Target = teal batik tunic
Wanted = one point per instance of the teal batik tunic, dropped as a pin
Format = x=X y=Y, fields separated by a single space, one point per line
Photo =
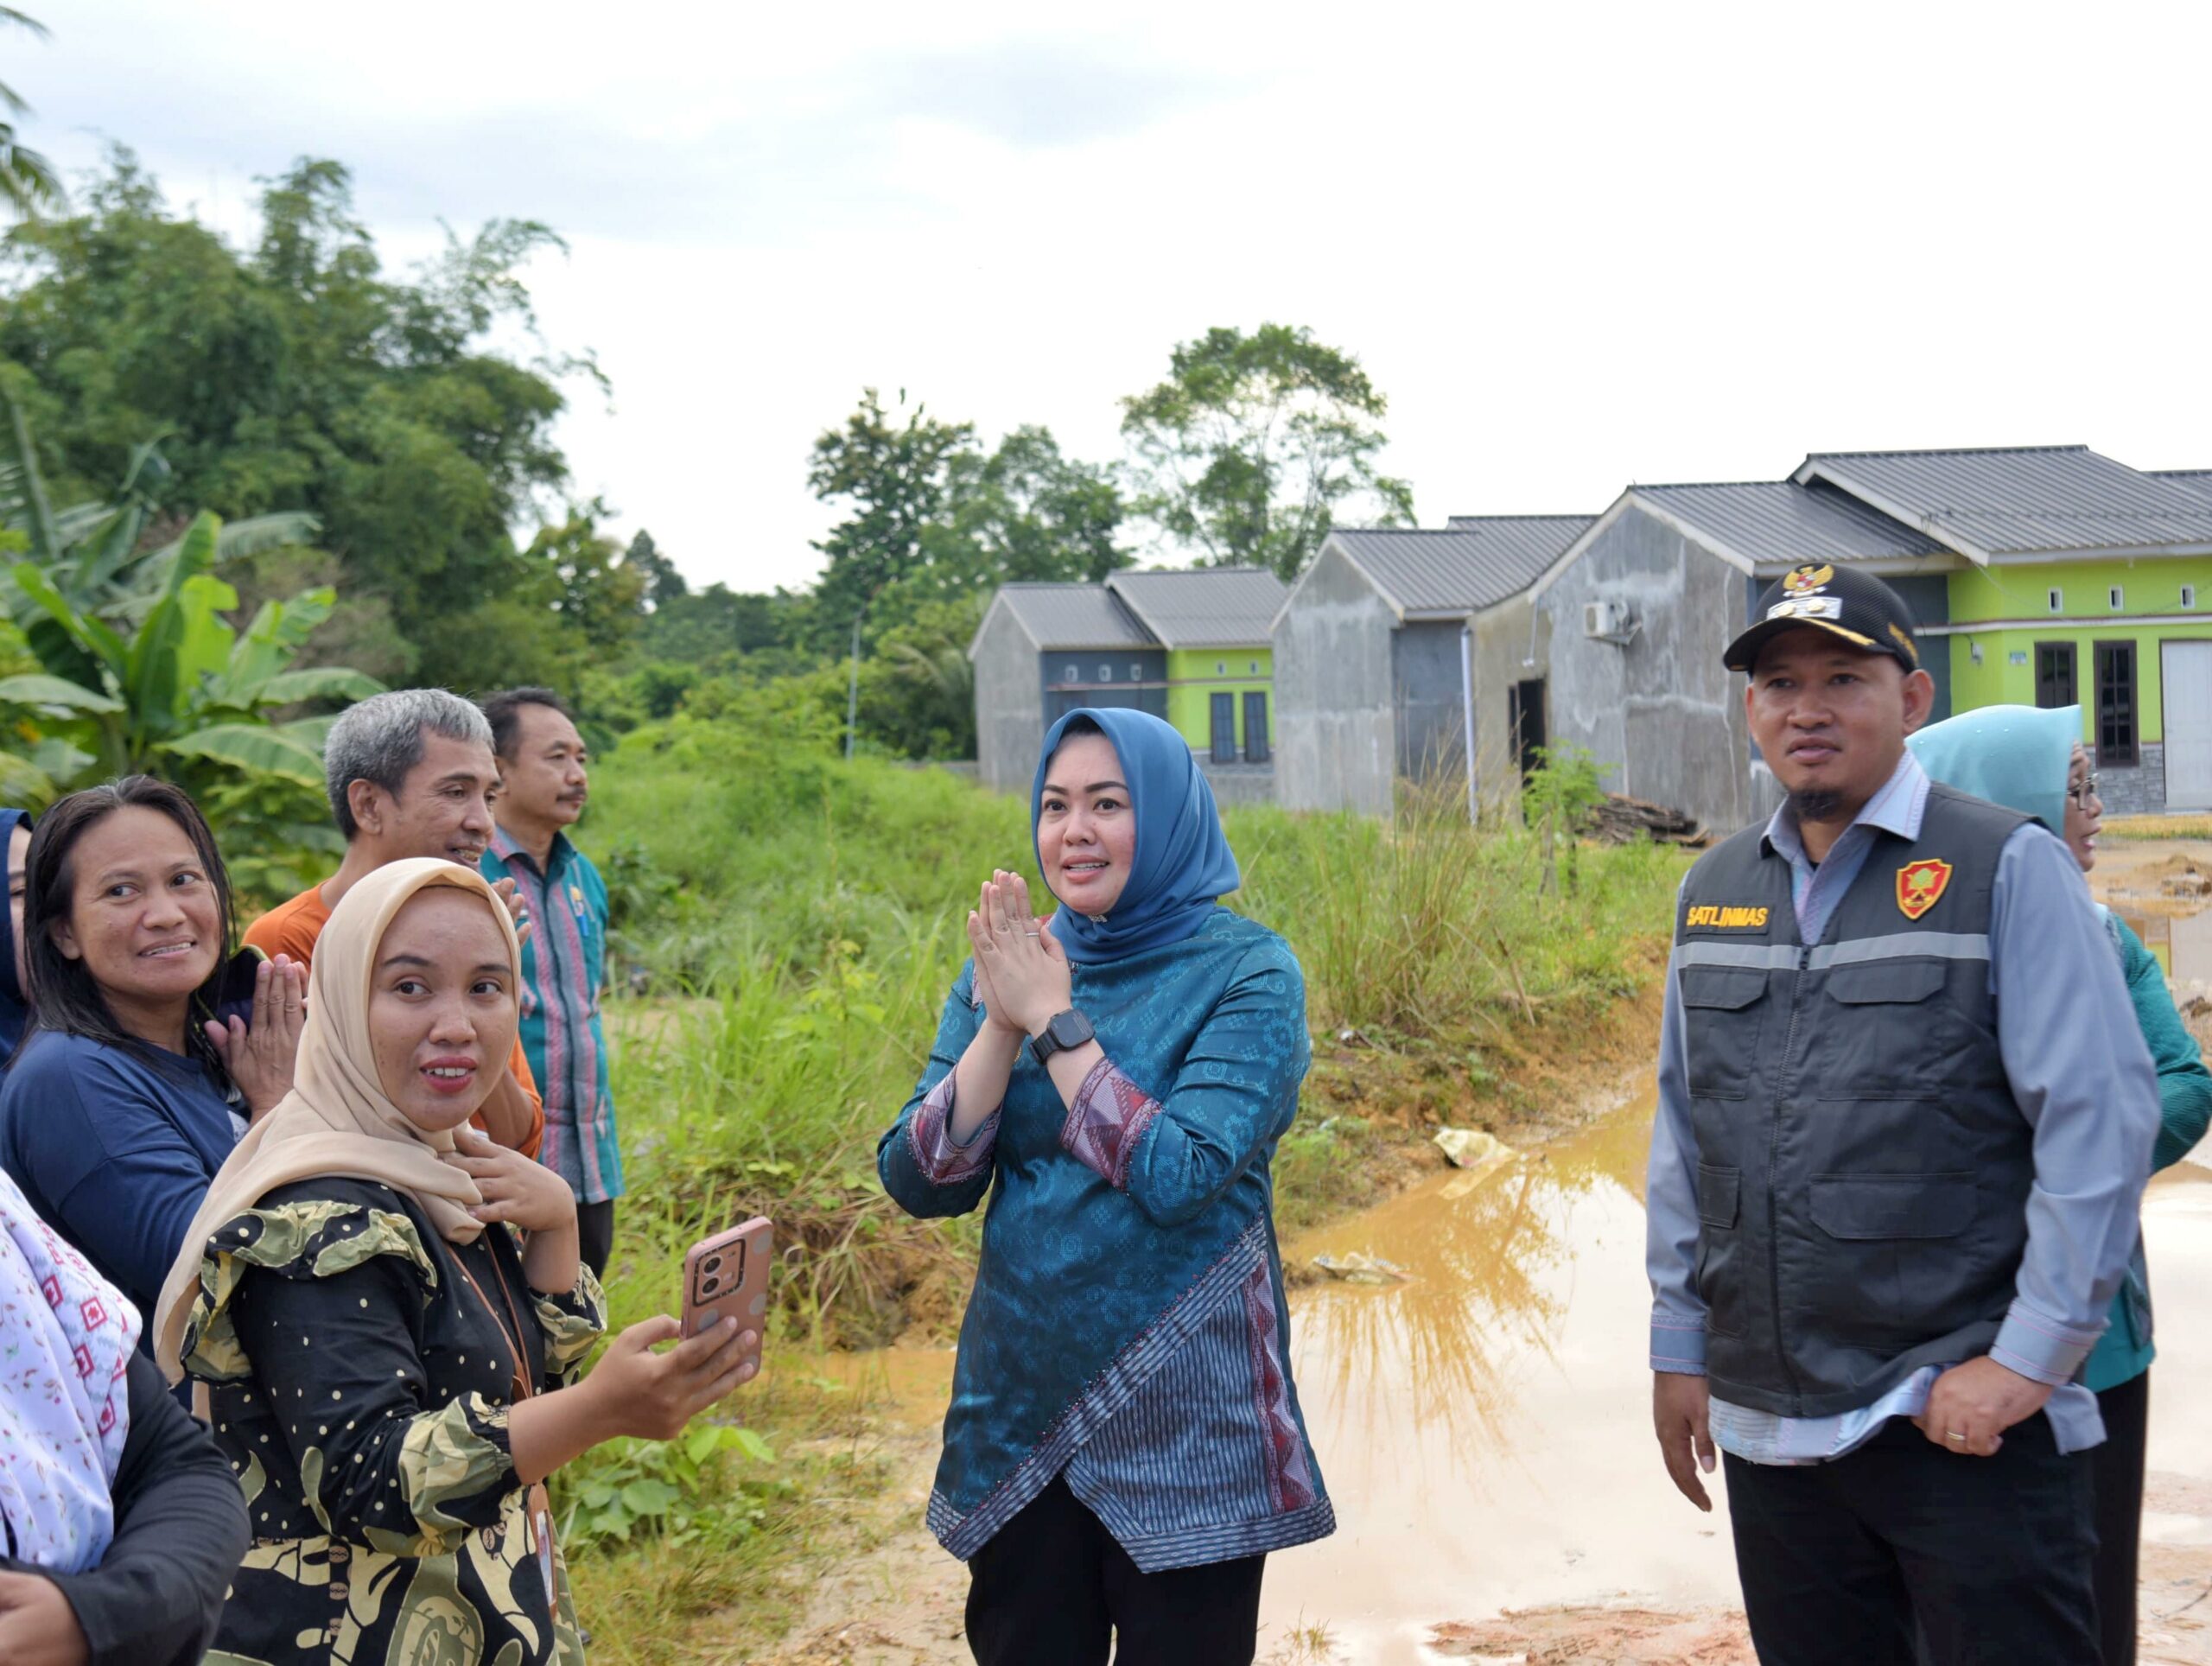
x=1128 y=1326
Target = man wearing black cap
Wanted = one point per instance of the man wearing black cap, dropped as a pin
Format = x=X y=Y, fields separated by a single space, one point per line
x=1903 y=1126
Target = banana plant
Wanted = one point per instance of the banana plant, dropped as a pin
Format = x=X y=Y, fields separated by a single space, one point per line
x=181 y=695
x=90 y=552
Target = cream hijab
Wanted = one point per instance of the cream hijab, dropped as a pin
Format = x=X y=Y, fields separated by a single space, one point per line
x=336 y=1120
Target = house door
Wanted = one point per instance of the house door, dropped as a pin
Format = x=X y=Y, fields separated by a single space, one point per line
x=1524 y=719
x=1223 y=728
x=2188 y=675
x=1256 y=729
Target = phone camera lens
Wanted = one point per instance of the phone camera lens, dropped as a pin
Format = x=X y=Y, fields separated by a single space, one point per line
x=712 y=1264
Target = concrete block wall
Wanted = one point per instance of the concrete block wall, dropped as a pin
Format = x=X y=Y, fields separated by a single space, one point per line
x=2137 y=792
x=1238 y=784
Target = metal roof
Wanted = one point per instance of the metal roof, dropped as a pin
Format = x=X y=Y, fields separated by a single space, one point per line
x=1781 y=524
x=1073 y=616
x=2024 y=500
x=1475 y=563
x=2198 y=481
x=1202 y=606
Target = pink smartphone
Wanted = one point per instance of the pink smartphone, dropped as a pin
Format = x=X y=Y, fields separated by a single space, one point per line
x=728 y=1275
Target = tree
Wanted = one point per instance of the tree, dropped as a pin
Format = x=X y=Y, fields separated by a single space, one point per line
x=298 y=375
x=600 y=596
x=1031 y=513
x=1253 y=443
x=663 y=583
x=897 y=476
x=28 y=181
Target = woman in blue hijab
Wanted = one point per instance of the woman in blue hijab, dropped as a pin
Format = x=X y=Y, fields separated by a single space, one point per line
x=1124 y=1444
x=14 y=1009
x=2033 y=761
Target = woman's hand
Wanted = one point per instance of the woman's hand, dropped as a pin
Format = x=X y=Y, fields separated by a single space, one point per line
x=37 y=1625
x=1027 y=966
x=639 y=1392
x=995 y=1014
x=260 y=1054
x=518 y=1189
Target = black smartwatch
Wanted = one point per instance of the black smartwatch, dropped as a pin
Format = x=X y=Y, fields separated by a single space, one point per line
x=1066 y=1030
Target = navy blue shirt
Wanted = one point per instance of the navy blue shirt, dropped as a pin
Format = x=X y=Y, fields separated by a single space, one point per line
x=115 y=1150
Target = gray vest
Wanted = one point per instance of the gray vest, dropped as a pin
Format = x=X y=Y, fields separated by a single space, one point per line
x=1862 y=1169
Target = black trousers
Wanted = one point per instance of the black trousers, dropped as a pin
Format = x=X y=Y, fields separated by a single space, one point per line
x=2116 y=1478
x=596 y=1234
x=1990 y=1555
x=1052 y=1587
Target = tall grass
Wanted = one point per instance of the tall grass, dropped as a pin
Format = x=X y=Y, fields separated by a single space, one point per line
x=796 y=921
x=800 y=920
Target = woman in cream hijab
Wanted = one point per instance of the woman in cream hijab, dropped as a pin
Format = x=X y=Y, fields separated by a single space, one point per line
x=393 y=1371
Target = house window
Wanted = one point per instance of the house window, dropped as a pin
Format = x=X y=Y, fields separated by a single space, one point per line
x=1221 y=668
x=2113 y=598
x=2187 y=597
x=1105 y=673
x=1136 y=673
x=1255 y=668
x=2054 y=678
x=2057 y=601
x=1069 y=674
x=2115 y=664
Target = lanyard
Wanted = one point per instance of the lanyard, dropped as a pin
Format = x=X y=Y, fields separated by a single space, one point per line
x=537 y=1504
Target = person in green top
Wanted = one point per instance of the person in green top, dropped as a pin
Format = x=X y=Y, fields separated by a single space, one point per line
x=2020 y=756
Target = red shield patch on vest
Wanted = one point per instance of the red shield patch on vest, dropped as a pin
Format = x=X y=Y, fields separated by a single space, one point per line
x=1920 y=884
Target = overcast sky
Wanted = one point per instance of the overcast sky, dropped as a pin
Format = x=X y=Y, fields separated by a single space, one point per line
x=1576 y=246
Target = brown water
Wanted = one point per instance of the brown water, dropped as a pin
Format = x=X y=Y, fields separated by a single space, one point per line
x=1485 y=1429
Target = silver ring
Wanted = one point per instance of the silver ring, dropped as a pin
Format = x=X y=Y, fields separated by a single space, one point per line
x=1953 y=1434
x=1029 y=934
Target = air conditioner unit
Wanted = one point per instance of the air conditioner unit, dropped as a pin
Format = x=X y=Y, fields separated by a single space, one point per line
x=1607 y=621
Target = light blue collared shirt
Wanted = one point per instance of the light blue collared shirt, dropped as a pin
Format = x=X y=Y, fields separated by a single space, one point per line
x=2079 y=1072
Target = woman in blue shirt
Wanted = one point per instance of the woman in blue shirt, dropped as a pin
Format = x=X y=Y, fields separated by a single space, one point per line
x=1124 y=1443
x=127 y=1094
x=2033 y=761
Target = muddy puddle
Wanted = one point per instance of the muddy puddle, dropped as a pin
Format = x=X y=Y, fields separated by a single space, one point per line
x=1484 y=1427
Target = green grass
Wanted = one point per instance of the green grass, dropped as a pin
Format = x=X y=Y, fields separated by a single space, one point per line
x=798 y=921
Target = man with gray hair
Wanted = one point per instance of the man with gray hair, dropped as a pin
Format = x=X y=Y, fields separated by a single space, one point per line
x=410 y=773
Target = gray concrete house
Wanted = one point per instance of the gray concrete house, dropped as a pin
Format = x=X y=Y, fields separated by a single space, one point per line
x=1622 y=642
x=1372 y=675
x=2019 y=564
x=1190 y=647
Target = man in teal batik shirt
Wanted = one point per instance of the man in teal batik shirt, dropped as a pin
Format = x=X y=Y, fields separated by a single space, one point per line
x=544 y=784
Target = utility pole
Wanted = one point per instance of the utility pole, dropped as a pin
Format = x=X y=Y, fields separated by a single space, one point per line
x=853 y=685
x=853 y=682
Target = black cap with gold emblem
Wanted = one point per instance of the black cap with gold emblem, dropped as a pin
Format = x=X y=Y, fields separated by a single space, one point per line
x=1856 y=607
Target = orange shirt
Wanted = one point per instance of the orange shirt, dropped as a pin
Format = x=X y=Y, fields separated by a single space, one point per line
x=291 y=928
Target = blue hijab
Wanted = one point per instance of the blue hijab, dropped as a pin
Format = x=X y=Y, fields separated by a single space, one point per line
x=14 y=1009
x=2017 y=756
x=1182 y=863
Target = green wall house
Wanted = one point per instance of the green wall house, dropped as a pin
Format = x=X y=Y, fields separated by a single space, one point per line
x=2073 y=579
x=1192 y=647
x=2129 y=640
x=2044 y=575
